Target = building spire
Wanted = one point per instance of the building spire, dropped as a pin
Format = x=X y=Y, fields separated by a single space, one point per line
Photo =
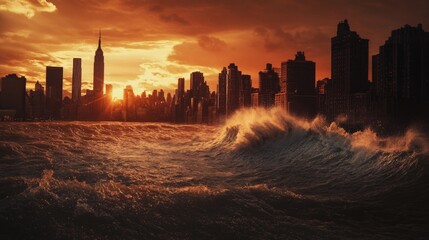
x=99 y=39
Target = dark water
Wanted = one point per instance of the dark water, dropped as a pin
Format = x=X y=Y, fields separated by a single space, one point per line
x=264 y=175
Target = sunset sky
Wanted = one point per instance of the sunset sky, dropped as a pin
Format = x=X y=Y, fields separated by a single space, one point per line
x=150 y=43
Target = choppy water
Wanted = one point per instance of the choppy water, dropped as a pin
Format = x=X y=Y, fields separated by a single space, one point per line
x=264 y=175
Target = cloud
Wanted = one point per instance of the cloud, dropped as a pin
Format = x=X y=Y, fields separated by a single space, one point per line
x=177 y=69
x=211 y=43
x=27 y=7
x=174 y=18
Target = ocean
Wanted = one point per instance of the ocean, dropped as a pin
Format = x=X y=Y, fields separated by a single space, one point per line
x=261 y=175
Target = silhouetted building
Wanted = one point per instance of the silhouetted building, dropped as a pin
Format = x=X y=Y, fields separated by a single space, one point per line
x=97 y=105
x=400 y=74
x=221 y=92
x=13 y=94
x=349 y=70
x=76 y=80
x=321 y=85
x=37 y=101
x=283 y=76
x=269 y=85
x=54 y=91
x=161 y=97
x=254 y=98
x=203 y=104
x=180 y=88
x=69 y=111
x=280 y=100
x=180 y=105
x=197 y=78
x=321 y=89
x=169 y=99
x=232 y=89
x=300 y=90
x=245 y=91
x=98 y=82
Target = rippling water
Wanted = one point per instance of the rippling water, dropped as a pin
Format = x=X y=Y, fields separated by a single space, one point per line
x=263 y=175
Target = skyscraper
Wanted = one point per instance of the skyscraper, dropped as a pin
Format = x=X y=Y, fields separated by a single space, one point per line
x=401 y=74
x=180 y=89
x=76 y=79
x=221 y=92
x=197 y=80
x=269 y=85
x=12 y=95
x=245 y=91
x=232 y=89
x=180 y=106
x=98 y=82
x=283 y=75
x=349 y=70
x=54 y=91
x=300 y=88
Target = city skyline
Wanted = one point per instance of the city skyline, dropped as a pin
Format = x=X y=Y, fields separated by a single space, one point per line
x=168 y=42
x=399 y=91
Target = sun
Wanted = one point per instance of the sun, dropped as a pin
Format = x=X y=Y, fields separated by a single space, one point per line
x=118 y=93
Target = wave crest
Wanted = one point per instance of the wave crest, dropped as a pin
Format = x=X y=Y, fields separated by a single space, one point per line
x=249 y=127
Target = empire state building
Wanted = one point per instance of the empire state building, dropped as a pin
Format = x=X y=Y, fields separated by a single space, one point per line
x=98 y=70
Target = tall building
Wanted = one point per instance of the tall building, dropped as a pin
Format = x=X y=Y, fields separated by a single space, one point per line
x=283 y=76
x=400 y=74
x=54 y=91
x=245 y=91
x=180 y=88
x=349 y=70
x=180 y=106
x=269 y=85
x=300 y=86
x=254 y=98
x=221 y=92
x=98 y=82
x=12 y=95
x=232 y=89
x=197 y=78
x=76 y=79
x=203 y=104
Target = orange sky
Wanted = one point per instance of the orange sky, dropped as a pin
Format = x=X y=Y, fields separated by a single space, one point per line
x=149 y=44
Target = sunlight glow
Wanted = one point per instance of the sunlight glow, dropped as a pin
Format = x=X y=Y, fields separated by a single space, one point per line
x=118 y=93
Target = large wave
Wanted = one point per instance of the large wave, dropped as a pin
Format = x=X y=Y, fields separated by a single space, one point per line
x=255 y=125
x=322 y=159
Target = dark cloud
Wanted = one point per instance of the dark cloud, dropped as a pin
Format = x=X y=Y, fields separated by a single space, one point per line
x=173 y=18
x=211 y=43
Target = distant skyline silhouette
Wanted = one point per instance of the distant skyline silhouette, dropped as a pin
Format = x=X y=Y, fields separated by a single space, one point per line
x=150 y=45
